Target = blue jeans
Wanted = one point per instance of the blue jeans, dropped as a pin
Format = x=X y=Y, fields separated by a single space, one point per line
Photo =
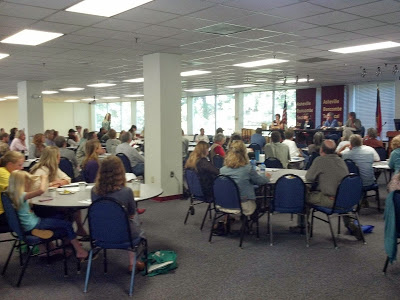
x=138 y=170
x=57 y=222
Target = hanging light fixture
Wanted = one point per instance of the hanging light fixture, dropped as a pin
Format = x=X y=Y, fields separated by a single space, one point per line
x=297 y=79
x=378 y=71
x=308 y=78
x=363 y=73
x=395 y=70
x=284 y=81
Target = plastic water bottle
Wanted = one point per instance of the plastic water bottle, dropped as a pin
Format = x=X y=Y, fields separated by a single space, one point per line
x=262 y=170
x=253 y=164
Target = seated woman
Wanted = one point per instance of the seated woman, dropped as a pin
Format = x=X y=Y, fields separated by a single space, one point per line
x=371 y=139
x=198 y=161
x=20 y=182
x=217 y=148
x=90 y=164
x=111 y=183
x=317 y=142
x=394 y=160
x=72 y=138
x=37 y=146
x=237 y=167
x=48 y=165
x=277 y=123
x=344 y=140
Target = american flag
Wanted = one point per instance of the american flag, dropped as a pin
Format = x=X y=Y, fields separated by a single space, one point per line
x=378 y=114
x=284 y=114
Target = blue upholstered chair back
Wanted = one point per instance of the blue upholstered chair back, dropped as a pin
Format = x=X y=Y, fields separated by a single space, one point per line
x=194 y=185
x=218 y=161
x=272 y=162
x=289 y=195
x=349 y=193
x=255 y=146
x=351 y=165
x=125 y=161
x=226 y=193
x=66 y=166
x=109 y=225
x=12 y=216
x=381 y=152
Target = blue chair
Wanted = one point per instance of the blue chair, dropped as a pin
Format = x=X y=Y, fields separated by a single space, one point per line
x=125 y=161
x=311 y=158
x=227 y=201
x=289 y=198
x=29 y=240
x=396 y=204
x=255 y=147
x=218 y=161
x=196 y=195
x=362 y=131
x=348 y=196
x=352 y=166
x=66 y=166
x=109 y=229
x=381 y=152
x=272 y=162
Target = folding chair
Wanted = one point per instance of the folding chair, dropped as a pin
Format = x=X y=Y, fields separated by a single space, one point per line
x=66 y=166
x=218 y=161
x=196 y=195
x=348 y=197
x=272 y=162
x=109 y=229
x=125 y=161
x=289 y=198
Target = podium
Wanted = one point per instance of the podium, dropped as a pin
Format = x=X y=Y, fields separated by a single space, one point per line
x=391 y=135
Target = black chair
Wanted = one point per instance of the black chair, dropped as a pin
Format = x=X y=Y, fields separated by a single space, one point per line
x=381 y=152
x=218 y=161
x=255 y=147
x=272 y=162
x=109 y=229
x=196 y=195
x=289 y=198
x=125 y=161
x=227 y=201
x=353 y=169
x=396 y=212
x=311 y=158
x=347 y=200
x=66 y=166
x=29 y=240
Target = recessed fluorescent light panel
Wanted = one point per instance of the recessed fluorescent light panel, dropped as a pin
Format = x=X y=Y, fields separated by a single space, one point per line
x=31 y=37
x=4 y=55
x=261 y=80
x=134 y=96
x=3 y=99
x=259 y=63
x=294 y=80
x=71 y=101
x=240 y=86
x=49 y=92
x=101 y=84
x=11 y=97
x=72 y=89
x=197 y=90
x=105 y=8
x=134 y=80
x=109 y=98
x=366 y=47
x=194 y=72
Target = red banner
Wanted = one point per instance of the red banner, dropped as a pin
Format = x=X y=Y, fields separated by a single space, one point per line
x=305 y=104
x=332 y=101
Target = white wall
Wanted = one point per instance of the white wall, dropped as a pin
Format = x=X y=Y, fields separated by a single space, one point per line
x=58 y=116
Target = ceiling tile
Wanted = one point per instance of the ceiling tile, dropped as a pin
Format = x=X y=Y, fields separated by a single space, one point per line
x=345 y=36
x=330 y=18
x=55 y=27
x=391 y=18
x=257 y=5
x=161 y=31
x=19 y=23
x=375 y=8
x=299 y=10
x=340 y=4
x=290 y=26
x=357 y=24
x=188 y=23
x=318 y=32
x=181 y=7
x=377 y=31
x=74 y=18
x=120 y=25
x=140 y=14
x=220 y=13
x=257 y=20
x=53 y=4
x=24 y=11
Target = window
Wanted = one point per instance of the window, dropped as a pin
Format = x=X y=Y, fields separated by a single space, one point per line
x=290 y=96
x=365 y=98
x=120 y=115
x=257 y=109
x=204 y=114
x=225 y=113
x=184 y=115
x=139 y=115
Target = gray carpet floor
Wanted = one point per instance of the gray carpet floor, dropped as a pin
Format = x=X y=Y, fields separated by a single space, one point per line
x=221 y=270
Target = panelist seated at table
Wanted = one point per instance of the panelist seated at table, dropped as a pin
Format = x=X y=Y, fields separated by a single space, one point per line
x=90 y=164
x=202 y=137
x=67 y=153
x=111 y=183
x=307 y=123
x=353 y=123
x=136 y=160
x=371 y=139
x=237 y=167
x=258 y=138
x=20 y=191
x=277 y=150
x=330 y=122
x=277 y=123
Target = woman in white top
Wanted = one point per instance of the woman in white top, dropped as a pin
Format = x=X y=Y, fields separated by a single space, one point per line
x=345 y=140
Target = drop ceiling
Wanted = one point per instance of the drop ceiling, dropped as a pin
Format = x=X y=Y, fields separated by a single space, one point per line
x=98 y=49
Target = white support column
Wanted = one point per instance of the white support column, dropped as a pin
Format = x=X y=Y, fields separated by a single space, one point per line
x=318 y=102
x=238 y=111
x=163 y=136
x=189 y=114
x=30 y=108
x=133 y=113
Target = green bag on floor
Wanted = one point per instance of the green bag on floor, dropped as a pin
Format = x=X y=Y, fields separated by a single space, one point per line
x=161 y=262
x=24 y=249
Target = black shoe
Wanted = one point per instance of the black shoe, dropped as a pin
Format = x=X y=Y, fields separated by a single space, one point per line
x=297 y=229
x=355 y=230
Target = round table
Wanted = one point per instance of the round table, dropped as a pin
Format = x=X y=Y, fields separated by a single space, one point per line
x=82 y=199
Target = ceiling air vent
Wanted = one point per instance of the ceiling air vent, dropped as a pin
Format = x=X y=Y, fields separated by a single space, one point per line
x=223 y=29
x=313 y=60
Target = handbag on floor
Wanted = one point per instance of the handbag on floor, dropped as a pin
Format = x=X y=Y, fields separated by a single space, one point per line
x=161 y=262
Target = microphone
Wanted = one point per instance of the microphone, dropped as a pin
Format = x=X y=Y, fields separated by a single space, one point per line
x=384 y=124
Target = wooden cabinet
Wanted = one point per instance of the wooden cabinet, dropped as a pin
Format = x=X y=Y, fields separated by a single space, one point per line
x=391 y=135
